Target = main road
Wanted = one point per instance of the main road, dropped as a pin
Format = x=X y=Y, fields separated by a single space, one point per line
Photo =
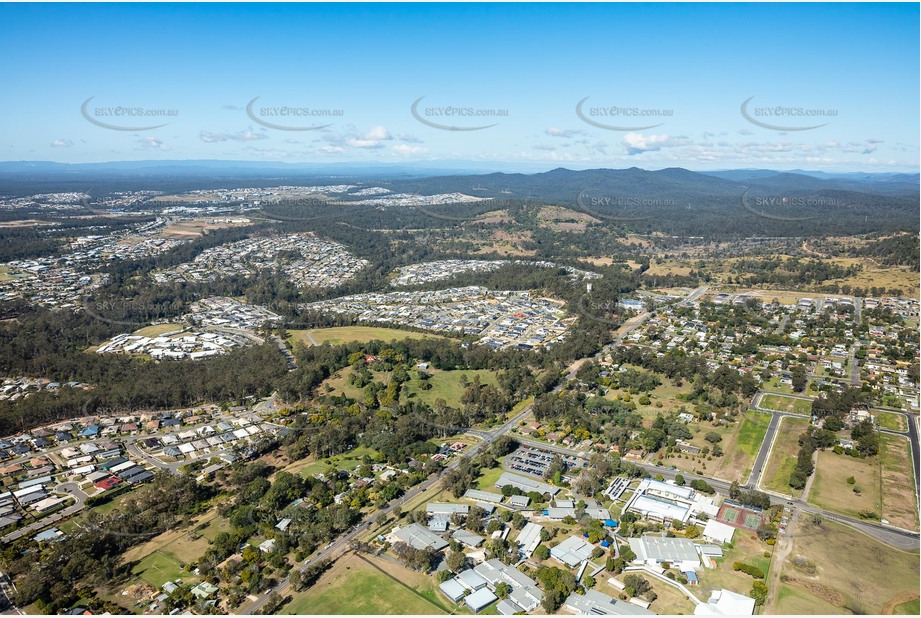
x=897 y=537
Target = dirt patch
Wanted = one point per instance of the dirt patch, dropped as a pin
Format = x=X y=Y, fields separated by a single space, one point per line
x=897 y=600
x=820 y=590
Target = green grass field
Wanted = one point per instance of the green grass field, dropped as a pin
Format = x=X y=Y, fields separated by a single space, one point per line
x=782 y=461
x=883 y=579
x=911 y=608
x=346 y=461
x=445 y=385
x=355 y=587
x=342 y=334
x=158 y=329
x=831 y=491
x=786 y=404
x=740 y=454
x=891 y=420
x=487 y=481
x=159 y=568
x=6 y=276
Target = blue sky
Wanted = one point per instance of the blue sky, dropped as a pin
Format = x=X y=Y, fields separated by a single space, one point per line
x=687 y=68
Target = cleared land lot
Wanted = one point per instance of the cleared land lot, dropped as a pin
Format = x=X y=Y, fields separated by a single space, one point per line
x=355 y=586
x=161 y=558
x=891 y=420
x=742 y=447
x=831 y=491
x=899 y=506
x=346 y=461
x=786 y=404
x=158 y=329
x=783 y=456
x=446 y=385
x=339 y=383
x=342 y=334
x=844 y=571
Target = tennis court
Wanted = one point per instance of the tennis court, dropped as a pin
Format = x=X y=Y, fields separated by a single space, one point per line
x=736 y=515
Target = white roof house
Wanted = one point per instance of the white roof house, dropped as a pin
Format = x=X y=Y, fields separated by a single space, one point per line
x=656 y=508
x=525 y=593
x=598 y=603
x=681 y=553
x=420 y=538
x=467 y=538
x=529 y=538
x=718 y=532
x=446 y=508
x=453 y=589
x=480 y=599
x=726 y=603
x=573 y=551
x=526 y=484
x=471 y=580
x=483 y=496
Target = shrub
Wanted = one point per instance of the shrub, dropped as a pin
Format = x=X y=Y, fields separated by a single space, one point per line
x=748 y=569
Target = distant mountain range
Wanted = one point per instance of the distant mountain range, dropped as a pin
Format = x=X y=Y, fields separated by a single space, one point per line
x=672 y=200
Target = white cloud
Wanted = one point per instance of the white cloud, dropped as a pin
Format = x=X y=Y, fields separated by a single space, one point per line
x=557 y=132
x=247 y=135
x=637 y=143
x=377 y=133
x=149 y=141
x=62 y=143
x=406 y=150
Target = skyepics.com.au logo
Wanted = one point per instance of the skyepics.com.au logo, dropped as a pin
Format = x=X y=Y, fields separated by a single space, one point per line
x=619 y=208
x=785 y=117
x=621 y=117
x=125 y=117
x=291 y=117
x=451 y=212
x=103 y=209
x=312 y=209
x=597 y=308
x=437 y=117
x=125 y=312
x=784 y=208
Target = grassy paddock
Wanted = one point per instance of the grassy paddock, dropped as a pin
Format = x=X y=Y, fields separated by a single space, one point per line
x=786 y=404
x=884 y=576
x=898 y=493
x=341 y=334
x=158 y=329
x=353 y=586
x=743 y=446
x=782 y=461
x=831 y=491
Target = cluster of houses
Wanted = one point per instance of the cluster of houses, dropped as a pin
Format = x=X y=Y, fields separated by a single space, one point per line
x=21 y=387
x=183 y=343
x=827 y=345
x=428 y=272
x=500 y=319
x=319 y=262
x=59 y=281
x=212 y=437
x=226 y=312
